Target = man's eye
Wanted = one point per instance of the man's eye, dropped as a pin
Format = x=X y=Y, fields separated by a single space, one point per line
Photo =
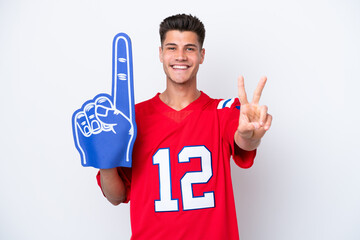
x=171 y=48
x=190 y=49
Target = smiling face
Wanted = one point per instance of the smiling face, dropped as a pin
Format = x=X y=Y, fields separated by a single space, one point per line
x=181 y=55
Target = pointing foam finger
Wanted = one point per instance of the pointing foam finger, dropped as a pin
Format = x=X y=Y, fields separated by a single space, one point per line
x=122 y=73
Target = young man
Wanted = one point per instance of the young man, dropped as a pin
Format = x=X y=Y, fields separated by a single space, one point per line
x=180 y=185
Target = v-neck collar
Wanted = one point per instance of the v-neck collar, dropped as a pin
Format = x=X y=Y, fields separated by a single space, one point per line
x=193 y=105
x=178 y=116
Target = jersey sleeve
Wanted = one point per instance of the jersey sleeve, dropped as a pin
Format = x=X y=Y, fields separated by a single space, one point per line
x=230 y=112
x=125 y=174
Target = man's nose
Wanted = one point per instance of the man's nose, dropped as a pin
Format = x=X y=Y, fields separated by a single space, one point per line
x=181 y=55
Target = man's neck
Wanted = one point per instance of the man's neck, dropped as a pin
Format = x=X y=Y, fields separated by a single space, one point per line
x=179 y=96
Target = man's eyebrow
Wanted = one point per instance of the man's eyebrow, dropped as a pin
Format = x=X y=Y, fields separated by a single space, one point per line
x=191 y=45
x=187 y=45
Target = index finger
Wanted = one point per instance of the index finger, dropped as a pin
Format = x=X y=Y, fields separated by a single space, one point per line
x=241 y=91
x=258 y=90
x=122 y=89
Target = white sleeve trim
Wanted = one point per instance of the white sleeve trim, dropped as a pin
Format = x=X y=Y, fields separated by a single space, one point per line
x=226 y=103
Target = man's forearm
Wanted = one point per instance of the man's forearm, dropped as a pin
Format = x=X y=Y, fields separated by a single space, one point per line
x=112 y=185
x=246 y=144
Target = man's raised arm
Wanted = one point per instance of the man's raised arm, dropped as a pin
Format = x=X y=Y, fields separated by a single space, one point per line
x=254 y=120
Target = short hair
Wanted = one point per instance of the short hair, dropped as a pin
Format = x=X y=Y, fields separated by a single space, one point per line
x=182 y=22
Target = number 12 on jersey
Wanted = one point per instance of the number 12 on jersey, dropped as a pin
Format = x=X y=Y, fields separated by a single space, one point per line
x=166 y=202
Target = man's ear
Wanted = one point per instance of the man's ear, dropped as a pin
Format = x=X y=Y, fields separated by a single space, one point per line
x=160 y=54
x=202 y=52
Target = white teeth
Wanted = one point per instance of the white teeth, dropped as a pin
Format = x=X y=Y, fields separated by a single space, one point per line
x=180 y=67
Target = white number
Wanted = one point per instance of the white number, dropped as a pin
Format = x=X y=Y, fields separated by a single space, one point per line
x=189 y=201
x=166 y=203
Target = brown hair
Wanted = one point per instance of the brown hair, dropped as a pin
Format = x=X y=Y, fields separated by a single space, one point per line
x=182 y=22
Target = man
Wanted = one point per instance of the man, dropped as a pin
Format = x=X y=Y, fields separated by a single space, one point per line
x=180 y=185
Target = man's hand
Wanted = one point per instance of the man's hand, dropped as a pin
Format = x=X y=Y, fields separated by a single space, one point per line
x=254 y=120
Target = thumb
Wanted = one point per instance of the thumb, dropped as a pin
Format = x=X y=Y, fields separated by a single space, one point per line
x=106 y=112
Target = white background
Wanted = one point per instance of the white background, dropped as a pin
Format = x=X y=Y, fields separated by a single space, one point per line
x=55 y=55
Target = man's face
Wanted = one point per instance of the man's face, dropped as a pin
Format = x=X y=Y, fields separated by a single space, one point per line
x=181 y=56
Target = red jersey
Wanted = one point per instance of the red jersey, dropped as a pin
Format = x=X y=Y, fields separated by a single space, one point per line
x=179 y=186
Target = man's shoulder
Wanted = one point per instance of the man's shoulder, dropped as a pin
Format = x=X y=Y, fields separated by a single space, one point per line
x=221 y=103
x=146 y=105
x=228 y=103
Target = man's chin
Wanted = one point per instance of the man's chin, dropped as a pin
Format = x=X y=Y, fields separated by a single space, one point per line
x=180 y=81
